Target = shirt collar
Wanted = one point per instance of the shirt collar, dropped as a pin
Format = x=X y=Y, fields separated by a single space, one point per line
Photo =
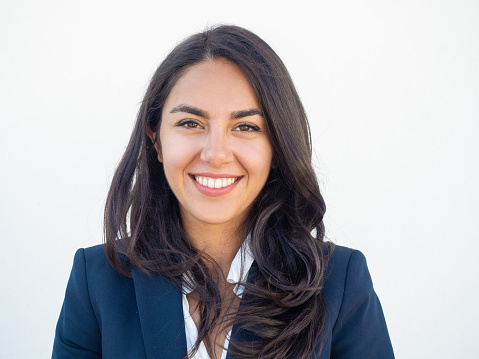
x=240 y=267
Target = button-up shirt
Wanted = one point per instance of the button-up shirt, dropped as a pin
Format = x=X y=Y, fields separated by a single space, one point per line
x=238 y=273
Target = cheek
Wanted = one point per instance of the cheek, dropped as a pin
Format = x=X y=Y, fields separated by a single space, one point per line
x=176 y=156
x=257 y=160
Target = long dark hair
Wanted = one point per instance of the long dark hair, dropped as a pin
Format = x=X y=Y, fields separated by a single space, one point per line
x=282 y=311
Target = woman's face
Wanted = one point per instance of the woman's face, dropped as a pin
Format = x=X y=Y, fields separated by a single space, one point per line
x=213 y=144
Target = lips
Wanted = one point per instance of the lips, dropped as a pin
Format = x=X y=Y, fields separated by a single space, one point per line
x=211 y=182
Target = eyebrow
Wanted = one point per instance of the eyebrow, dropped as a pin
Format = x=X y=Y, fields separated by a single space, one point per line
x=192 y=110
x=201 y=113
x=245 y=113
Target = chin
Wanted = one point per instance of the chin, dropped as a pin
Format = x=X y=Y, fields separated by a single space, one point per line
x=218 y=220
x=217 y=217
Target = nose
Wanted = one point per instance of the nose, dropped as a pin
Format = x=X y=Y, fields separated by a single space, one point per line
x=217 y=148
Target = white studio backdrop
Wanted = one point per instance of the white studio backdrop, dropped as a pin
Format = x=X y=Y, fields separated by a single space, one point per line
x=391 y=89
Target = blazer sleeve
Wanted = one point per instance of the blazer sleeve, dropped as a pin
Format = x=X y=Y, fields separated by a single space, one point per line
x=77 y=334
x=360 y=330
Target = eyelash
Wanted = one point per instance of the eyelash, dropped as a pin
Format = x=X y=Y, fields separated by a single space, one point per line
x=192 y=124
x=251 y=127
x=188 y=123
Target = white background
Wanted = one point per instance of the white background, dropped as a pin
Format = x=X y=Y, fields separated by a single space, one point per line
x=391 y=89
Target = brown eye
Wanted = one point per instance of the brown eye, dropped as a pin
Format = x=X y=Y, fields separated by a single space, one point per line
x=189 y=124
x=246 y=127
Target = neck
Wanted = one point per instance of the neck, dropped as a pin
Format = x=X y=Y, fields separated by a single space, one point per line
x=219 y=242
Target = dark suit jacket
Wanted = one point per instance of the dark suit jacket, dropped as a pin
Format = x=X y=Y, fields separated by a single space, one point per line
x=107 y=315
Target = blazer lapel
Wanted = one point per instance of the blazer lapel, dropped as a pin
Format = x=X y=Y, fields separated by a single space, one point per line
x=161 y=316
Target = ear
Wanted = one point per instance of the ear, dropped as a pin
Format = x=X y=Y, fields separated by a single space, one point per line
x=152 y=135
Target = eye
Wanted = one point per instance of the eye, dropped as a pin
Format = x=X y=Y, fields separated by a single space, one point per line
x=247 y=127
x=188 y=124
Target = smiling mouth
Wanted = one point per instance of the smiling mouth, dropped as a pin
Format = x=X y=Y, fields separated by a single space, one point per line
x=215 y=182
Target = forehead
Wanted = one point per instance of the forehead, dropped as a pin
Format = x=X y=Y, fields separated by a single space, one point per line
x=215 y=85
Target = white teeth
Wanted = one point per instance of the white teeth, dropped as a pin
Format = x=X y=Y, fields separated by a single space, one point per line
x=215 y=182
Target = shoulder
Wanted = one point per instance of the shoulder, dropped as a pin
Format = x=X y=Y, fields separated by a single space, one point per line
x=346 y=266
x=93 y=258
x=78 y=328
x=342 y=255
x=99 y=307
x=88 y=260
x=356 y=318
x=95 y=255
x=96 y=283
x=343 y=260
x=92 y=273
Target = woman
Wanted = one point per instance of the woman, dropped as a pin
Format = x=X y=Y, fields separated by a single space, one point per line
x=214 y=226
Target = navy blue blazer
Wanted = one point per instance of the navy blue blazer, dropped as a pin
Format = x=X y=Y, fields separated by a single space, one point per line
x=107 y=315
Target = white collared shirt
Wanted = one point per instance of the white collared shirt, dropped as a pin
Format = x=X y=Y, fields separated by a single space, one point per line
x=238 y=273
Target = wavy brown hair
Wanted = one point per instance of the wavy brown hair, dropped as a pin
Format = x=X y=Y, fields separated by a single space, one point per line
x=282 y=313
